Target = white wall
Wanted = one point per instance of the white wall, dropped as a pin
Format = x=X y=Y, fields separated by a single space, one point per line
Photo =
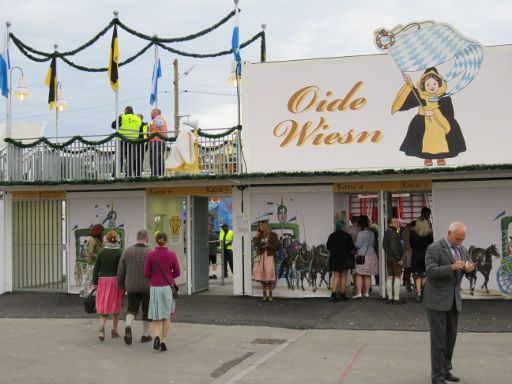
x=478 y=205
x=2 y=259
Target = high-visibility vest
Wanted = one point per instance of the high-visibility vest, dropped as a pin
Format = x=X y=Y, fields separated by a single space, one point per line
x=161 y=130
x=229 y=239
x=143 y=133
x=130 y=125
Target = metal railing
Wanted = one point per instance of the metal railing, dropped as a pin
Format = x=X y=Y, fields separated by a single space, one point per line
x=88 y=158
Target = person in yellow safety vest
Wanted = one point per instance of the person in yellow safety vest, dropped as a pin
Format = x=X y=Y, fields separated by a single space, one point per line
x=129 y=156
x=156 y=144
x=226 y=238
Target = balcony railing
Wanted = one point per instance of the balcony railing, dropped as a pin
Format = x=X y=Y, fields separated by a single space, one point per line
x=99 y=158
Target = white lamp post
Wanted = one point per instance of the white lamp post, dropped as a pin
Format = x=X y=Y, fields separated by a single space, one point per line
x=21 y=93
x=60 y=106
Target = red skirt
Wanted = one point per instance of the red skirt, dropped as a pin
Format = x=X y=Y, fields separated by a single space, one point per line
x=109 y=297
x=264 y=270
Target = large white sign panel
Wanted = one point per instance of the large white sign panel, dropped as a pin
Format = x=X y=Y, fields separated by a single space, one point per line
x=336 y=114
x=487 y=212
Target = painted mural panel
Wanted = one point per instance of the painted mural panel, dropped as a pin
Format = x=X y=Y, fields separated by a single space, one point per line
x=166 y=213
x=302 y=222
x=121 y=212
x=487 y=212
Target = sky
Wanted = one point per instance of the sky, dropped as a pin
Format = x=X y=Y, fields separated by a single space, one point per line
x=295 y=29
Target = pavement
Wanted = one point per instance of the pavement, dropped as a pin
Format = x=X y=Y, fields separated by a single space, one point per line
x=306 y=313
x=48 y=338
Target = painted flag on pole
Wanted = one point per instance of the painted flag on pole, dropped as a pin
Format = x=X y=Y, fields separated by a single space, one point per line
x=235 y=44
x=51 y=82
x=157 y=73
x=5 y=65
x=113 y=62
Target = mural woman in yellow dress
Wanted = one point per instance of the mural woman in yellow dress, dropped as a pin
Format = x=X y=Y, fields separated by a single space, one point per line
x=433 y=133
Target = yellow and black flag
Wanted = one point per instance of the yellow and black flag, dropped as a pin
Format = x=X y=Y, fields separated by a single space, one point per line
x=113 y=63
x=51 y=82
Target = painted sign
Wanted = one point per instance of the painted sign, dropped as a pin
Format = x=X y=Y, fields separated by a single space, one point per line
x=372 y=186
x=212 y=190
x=342 y=113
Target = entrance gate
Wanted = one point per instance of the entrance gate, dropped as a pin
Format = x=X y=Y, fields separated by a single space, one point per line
x=39 y=259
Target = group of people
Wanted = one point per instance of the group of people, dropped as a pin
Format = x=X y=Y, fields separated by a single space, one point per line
x=132 y=152
x=222 y=243
x=148 y=278
x=355 y=250
x=437 y=268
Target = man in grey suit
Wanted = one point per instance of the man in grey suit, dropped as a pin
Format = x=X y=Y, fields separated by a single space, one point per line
x=446 y=262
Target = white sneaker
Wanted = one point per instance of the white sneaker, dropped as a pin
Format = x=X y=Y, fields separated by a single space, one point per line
x=366 y=295
x=355 y=297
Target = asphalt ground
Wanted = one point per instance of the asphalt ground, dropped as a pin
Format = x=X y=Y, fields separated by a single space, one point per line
x=64 y=350
x=311 y=313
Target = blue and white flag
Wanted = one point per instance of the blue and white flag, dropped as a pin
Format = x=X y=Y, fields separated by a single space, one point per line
x=235 y=44
x=417 y=47
x=5 y=66
x=157 y=73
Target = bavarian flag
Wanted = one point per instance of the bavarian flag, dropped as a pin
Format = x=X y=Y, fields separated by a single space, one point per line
x=51 y=82
x=113 y=62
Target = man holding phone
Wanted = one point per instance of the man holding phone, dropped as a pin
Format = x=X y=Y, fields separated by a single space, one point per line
x=446 y=262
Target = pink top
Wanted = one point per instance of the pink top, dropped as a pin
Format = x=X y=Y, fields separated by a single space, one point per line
x=168 y=262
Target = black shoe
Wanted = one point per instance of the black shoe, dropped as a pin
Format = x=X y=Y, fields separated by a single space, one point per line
x=214 y=277
x=451 y=377
x=334 y=298
x=343 y=297
x=156 y=343
x=145 y=339
x=163 y=347
x=128 y=335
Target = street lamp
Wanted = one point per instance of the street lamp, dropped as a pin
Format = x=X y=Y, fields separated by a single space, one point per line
x=60 y=106
x=21 y=93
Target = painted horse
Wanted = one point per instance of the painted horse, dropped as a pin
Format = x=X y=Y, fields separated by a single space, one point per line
x=319 y=266
x=482 y=259
x=302 y=264
x=290 y=249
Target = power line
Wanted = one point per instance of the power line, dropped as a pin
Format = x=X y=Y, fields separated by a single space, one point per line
x=206 y=93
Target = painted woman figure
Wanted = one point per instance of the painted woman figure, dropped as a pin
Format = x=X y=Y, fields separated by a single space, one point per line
x=433 y=133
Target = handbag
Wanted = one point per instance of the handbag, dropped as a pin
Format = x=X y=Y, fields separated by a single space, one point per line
x=90 y=302
x=174 y=288
x=360 y=258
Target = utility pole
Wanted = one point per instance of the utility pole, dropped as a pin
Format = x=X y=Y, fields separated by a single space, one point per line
x=176 y=97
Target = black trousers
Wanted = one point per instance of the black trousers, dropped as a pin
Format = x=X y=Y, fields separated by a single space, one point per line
x=135 y=300
x=131 y=157
x=228 y=259
x=156 y=155
x=443 y=334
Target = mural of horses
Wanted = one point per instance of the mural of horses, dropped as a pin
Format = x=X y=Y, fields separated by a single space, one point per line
x=302 y=264
x=290 y=248
x=482 y=259
x=319 y=266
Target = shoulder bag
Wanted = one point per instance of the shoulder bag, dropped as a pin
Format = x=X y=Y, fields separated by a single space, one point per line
x=90 y=302
x=360 y=258
x=174 y=288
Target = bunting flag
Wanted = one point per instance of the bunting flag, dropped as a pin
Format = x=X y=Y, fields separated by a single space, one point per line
x=157 y=73
x=235 y=44
x=113 y=62
x=5 y=65
x=51 y=82
x=419 y=46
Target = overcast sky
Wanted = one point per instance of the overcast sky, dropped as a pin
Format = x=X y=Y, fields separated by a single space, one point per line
x=296 y=29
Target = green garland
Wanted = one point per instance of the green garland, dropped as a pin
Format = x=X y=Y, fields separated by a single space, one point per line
x=44 y=140
x=219 y=135
x=258 y=175
x=29 y=52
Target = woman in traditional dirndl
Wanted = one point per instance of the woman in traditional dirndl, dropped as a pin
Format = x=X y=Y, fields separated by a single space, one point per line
x=109 y=297
x=264 y=270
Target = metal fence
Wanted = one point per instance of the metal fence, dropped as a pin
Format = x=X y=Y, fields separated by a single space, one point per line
x=100 y=158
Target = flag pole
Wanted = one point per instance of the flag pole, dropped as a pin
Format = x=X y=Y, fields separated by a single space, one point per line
x=118 y=144
x=156 y=58
x=8 y=120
